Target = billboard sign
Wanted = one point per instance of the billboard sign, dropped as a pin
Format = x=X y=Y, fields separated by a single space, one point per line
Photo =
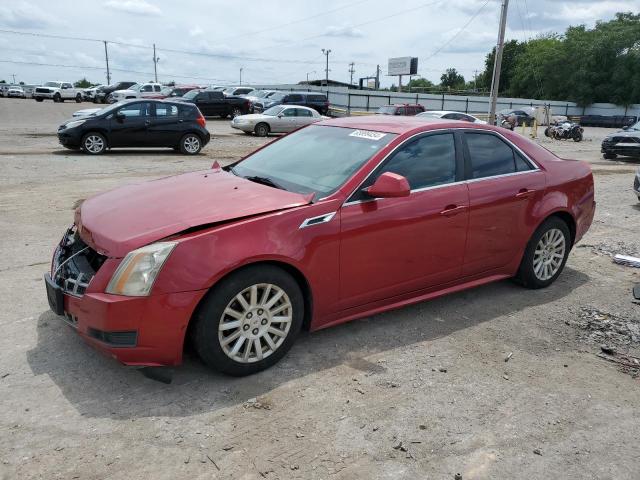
x=403 y=66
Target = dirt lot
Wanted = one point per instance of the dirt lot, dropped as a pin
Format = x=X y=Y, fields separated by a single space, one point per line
x=422 y=392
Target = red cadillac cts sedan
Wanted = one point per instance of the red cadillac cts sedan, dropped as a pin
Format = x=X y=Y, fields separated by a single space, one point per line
x=338 y=220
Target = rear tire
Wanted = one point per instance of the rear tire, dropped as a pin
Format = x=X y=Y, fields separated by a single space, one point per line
x=39 y=99
x=190 y=144
x=78 y=98
x=546 y=254
x=252 y=327
x=262 y=130
x=57 y=98
x=577 y=137
x=236 y=112
x=93 y=143
x=609 y=156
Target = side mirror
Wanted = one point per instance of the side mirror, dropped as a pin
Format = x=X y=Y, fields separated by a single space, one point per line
x=120 y=116
x=626 y=127
x=389 y=185
x=280 y=115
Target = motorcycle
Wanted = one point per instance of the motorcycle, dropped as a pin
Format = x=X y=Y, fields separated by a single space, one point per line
x=565 y=131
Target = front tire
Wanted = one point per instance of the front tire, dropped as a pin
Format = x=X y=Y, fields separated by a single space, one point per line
x=78 y=98
x=191 y=144
x=609 y=156
x=546 y=254
x=249 y=321
x=236 y=112
x=93 y=143
x=39 y=99
x=577 y=137
x=262 y=130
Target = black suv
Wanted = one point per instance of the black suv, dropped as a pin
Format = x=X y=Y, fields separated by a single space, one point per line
x=137 y=123
x=103 y=92
x=214 y=103
x=317 y=101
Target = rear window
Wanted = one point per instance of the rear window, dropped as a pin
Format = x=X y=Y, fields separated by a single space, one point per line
x=491 y=156
x=317 y=98
x=188 y=111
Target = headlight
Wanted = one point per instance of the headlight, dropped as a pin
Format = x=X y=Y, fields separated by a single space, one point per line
x=136 y=274
x=75 y=123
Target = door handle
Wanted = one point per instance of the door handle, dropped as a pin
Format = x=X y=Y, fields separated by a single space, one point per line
x=452 y=210
x=525 y=193
x=147 y=122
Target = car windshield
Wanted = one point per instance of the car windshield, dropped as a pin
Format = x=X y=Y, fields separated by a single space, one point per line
x=191 y=94
x=258 y=93
x=52 y=84
x=273 y=111
x=316 y=159
x=277 y=96
x=135 y=87
x=429 y=114
x=387 y=110
x=635 y=126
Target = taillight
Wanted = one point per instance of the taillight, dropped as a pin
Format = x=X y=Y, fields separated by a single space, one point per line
x=201 y=121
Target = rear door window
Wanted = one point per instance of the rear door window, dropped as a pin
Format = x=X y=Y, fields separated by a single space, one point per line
x=491 y=156
x=301 y=112
x=294 y=98
x=136 y=110
x=163 y=110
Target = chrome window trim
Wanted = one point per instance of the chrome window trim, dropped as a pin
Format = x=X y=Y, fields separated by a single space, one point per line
x=535 y=167
x=317 y=220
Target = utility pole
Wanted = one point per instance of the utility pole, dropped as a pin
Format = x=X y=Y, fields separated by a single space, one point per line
x=475 y=80
x=377 y=85
x=313 y=71
x=14 y=78
x=326 y=70
x=351 y=71
x=497 y=64
x=106 y=56
x=155 y=63
x=241 y=75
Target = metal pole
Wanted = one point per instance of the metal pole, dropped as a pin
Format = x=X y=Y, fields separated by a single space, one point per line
x=14 y=82
x=155 y=63
x=106 y=56
x=377 y=77
x=240 y=75
x=351 y=71
x=326 y=71
x=497 y=64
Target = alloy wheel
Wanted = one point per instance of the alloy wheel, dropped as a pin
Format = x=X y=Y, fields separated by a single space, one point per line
x=236 y=112
x=549 y=254
x=255 y=323
x=94 y=144
x=191 y=144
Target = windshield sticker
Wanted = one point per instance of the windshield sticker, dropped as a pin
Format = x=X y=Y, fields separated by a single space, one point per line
x=368 y=134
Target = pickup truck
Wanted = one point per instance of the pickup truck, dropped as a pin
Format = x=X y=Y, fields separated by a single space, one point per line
x=215 y=103
x=58 y=92
x=144 y=90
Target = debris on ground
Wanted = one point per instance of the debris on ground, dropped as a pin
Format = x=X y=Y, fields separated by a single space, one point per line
x=627 y=260
x=605 y=328
x=612 y=249
x=508 y=357
x=537 y=451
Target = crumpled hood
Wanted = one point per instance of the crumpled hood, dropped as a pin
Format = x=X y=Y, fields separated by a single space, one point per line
x=625 y=133
x=121 y=220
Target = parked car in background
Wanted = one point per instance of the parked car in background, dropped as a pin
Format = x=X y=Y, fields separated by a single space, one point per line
x=138 y=123
x=278 y=119
x=103 y=92
x=402 y=109
x=85 y=112
x=256 y=96
x=316 y=100
x=180 y=90
x=142 y=90
x=449 y=115
x=16 y=91
x=89 y=93
x=520 y=116
x=58 y=92
x=238 y=90
x=336 y=221
x=213 y=103
x=625 y=142
x=217 y=87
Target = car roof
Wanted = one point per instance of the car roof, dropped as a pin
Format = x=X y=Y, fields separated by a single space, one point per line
x=399 y=124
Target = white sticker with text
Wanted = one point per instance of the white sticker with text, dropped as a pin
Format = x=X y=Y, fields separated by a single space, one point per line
x=368 y=134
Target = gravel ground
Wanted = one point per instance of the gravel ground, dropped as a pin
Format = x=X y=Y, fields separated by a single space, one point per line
x=421 y=392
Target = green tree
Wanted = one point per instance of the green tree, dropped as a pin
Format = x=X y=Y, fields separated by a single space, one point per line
x=83 y=83
x=452 y=80
x=420 y=83
x=3 y=81
x=512 y=50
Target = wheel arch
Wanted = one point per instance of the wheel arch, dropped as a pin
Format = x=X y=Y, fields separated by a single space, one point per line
x=566 y=217
x=297 y=275
x=102 y=131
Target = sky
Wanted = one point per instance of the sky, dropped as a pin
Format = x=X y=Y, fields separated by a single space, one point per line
x=272 y=42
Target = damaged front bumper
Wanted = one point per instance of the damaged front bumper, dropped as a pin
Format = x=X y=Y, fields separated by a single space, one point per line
x=137 y=331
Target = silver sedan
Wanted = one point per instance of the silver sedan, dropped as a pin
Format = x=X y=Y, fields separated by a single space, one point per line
x=278 y=119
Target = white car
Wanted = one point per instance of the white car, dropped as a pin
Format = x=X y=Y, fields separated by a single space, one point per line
x=86 y=112
x=139 y=90
x=450 y=115
x=278 y=119
x=16 y=92
x=58 y=92
x=90 y=93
